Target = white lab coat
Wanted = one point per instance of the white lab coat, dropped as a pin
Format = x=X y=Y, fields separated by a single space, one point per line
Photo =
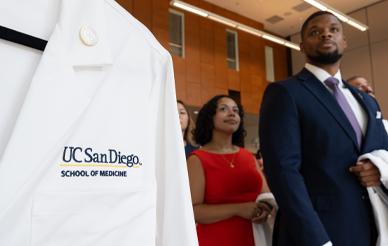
x=114 y=98
x=378 y=198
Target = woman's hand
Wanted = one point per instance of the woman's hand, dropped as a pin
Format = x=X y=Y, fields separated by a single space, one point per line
x=248 y=210
x=265 y=211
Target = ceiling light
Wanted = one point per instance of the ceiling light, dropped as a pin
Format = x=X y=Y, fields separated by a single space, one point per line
x=273 y=39
x=356 y=25
x=317 y=5
x=339 y=16
x=232 y=23
x=221 y=20
x=343 y=17
x=191 y=9
x=292 y=45
x=250 y=30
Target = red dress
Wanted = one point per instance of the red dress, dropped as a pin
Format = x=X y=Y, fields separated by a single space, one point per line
x=224 y=184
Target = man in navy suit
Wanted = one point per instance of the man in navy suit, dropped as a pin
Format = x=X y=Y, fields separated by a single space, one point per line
x=313 y=127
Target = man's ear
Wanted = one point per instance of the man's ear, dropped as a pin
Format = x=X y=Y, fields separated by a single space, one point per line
x=345 y=42
x=301 y=46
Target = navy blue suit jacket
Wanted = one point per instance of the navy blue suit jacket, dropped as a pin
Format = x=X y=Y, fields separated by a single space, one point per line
x=308 y=146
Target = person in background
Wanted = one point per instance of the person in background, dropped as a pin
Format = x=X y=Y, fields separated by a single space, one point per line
x=187 y=125
x=225 y=180
x=313 y=128
x=362 y=84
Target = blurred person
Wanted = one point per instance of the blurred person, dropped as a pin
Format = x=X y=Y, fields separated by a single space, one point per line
x=225 y=179
x=362 y=84
x=187 y=125
x=313 y=129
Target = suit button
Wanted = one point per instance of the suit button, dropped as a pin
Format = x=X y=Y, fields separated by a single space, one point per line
x=365 y=198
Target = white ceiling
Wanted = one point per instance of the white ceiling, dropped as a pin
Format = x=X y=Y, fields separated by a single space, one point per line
x=261 y=10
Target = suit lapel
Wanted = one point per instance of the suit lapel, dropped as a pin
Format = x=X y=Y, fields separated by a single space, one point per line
x=371 y=123
x=328 y=101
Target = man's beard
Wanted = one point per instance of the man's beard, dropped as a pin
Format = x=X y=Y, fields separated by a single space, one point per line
x=326 y=59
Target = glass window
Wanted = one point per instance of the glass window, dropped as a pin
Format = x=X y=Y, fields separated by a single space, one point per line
x=269 y=66
x=177 y=38
x=232 y=49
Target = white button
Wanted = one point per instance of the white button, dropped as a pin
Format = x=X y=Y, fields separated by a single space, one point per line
x=88 y=36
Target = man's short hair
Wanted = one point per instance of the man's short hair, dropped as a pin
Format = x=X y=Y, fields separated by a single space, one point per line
x=318 y=13
x=353 y=78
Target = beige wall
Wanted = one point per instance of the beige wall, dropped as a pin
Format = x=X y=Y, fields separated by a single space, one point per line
x=297 y=58
x=252 y=132
x=367 y=52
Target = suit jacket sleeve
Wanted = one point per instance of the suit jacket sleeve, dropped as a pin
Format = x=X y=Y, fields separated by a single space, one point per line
x=175 y=218
x=280 y=142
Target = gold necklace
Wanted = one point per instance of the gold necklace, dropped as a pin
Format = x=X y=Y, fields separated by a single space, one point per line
x=231 y=163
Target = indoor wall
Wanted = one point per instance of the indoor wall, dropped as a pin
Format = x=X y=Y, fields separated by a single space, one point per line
x=203 y=73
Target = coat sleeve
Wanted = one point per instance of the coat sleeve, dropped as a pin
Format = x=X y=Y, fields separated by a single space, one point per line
x=383 y=154
x=175 y=217
x=280 y=143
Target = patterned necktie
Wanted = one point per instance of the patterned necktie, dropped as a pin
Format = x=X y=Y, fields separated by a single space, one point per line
x=333 y=84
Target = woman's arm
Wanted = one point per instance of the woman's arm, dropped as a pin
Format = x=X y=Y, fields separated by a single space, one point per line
x=265 y=187
x=265 y=207
x=207 y=213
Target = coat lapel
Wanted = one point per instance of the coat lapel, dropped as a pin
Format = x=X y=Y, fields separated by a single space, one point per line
x=368 y=138
x=54 y=102
x=328 y=101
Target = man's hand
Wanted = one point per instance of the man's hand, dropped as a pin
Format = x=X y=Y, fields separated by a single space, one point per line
x=368 y=174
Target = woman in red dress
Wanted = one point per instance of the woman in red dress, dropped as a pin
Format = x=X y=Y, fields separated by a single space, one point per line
x=224 y=178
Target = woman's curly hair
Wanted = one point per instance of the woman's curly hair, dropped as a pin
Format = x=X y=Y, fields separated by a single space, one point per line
x=203 y=132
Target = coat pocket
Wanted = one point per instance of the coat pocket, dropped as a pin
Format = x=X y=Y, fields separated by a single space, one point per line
x=94 y=218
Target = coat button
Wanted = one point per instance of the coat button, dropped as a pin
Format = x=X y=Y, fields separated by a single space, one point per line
x=88 y=36
x=365 y=198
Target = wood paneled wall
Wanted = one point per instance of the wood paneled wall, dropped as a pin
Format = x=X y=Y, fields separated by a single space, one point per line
x=203 y=73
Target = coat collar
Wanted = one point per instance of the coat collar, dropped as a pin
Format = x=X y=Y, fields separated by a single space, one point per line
x=74 y=16
x=317 y=88
x=56 y=99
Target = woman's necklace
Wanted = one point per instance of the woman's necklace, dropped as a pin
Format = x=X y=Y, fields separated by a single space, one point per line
x=231 y=163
